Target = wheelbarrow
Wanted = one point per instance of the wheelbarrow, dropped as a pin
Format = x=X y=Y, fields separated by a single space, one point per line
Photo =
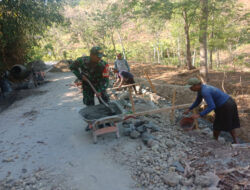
x=98 y=115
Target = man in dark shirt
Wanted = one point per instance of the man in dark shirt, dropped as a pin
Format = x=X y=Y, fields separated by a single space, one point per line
x=226 y=113
x=124 y=78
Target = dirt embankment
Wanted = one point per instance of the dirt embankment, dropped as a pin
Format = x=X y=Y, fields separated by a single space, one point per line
x=166 y=79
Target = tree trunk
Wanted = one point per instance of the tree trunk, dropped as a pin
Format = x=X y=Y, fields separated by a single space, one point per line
x=186 y=28
x=168 y=55
x=154 y=54
x=218 y=58
x=203 y=40
x=121 y=41
x=161 y=52
x=212 y=48
x=211 y=59
x=179 y=53
x=157 y=48
x=113 y=41
x=231 y=55
x=194 y=58
x=158 y=55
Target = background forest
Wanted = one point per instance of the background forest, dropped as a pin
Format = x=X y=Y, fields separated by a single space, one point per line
x=190 y=33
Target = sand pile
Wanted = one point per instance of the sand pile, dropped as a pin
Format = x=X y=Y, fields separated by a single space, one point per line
x=61 y=66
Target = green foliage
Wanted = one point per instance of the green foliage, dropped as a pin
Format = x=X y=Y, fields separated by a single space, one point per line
x=22 y=24
x=138 y=27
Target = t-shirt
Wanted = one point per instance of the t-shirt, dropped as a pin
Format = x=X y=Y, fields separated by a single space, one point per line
x=122 y=65
x=213 y=96
x=125 y=74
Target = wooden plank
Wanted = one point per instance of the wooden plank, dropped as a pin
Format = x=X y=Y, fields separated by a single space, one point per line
x=173 y=104
x=118 y=118
x=244 y=145
x=124 y=86
x=150 y=82
x=196 y=124
x=159 y=110
x=131 y=99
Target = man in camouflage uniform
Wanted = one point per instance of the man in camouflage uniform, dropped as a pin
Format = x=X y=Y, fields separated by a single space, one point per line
x=96 y=70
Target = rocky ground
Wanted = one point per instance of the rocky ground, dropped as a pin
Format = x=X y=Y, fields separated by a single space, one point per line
x=166 y=157
x=44 y=146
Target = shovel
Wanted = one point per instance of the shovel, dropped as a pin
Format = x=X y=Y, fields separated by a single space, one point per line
x=113 y=112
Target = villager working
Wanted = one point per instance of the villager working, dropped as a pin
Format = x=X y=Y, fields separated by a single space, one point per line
x=121 y=64
x=226 y=113
x=96 y=70
x=124 y=78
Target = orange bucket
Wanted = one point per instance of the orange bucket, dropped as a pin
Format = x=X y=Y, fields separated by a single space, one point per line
x=187 y=123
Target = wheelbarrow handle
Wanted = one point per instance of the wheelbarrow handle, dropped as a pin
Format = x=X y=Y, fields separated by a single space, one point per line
x=129 y=117
x=93 y=88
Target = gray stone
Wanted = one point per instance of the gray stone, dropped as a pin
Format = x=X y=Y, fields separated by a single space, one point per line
x=150 y=143
x=172 y=179
x=147 y=136
x=127 y=131
x=155 y=146
x=124 y=96
x=207 y=180
x=178 y=166
x=139 y=123
x=169 y=143
x=187 y=182
x=141 y=129
x=135 y=134
x=152 y=126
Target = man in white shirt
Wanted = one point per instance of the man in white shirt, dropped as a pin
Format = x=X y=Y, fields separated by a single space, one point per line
x=121 y=64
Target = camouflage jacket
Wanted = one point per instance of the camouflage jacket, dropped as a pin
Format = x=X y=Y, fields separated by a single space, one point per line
x=97 y=74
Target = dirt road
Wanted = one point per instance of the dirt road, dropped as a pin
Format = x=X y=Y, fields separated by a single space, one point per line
x=45 y=133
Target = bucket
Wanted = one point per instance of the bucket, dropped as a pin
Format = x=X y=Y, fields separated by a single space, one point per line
x=187 y=123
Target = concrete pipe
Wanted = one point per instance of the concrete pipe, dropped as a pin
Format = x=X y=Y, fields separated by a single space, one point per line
x=19 y=71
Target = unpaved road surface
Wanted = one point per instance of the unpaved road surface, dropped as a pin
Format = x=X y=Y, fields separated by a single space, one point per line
x=45 y=133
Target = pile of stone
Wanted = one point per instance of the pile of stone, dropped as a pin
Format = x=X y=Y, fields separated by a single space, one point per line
x=141 y=129
x=172 y=158
x=37 y=66
x=61 y=66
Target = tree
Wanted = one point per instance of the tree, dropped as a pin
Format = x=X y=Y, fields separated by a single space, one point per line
x=22 y=24
x=203 y=39
x=188 y=10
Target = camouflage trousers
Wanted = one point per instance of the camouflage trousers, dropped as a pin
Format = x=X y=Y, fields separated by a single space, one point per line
x=89 y=97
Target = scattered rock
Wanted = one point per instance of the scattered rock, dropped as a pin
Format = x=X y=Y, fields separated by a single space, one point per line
x=208 y=180
x=135 y=134
x=178 y=166
x=8 y=160
x=152 y=126
x=172 y=179
x=146 y=137
x=141 y=129
x=187 y=182
x=124 y=96
x=139 y=123
x=127 y=131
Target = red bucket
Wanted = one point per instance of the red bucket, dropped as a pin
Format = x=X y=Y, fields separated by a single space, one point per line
x=187 y=123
